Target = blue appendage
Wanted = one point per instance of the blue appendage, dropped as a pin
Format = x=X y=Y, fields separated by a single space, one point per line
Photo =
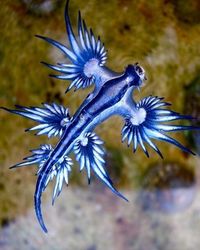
x=87 y=54
x=146 y=124
x=53 y=118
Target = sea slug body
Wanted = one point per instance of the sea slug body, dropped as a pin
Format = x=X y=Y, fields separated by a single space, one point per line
x=112 y=95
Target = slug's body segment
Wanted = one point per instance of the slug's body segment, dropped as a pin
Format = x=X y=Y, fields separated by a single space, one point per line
x=112 y=95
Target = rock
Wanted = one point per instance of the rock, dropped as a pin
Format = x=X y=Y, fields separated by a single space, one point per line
x=41 y=7
x=168 y=188
x=192 y=106
x=187 y=12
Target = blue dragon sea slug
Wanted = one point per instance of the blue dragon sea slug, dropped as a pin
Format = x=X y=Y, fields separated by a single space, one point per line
x=112 y=95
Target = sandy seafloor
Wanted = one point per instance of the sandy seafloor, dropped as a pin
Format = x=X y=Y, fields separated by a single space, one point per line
x=93 y=218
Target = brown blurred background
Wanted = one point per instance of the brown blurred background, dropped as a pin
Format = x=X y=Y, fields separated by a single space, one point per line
x=164 y=37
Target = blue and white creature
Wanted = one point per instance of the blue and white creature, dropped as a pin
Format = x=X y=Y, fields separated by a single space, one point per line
x=112 y=95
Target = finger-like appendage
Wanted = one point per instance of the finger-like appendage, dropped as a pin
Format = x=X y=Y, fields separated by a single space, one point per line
x=90 y=155
x=53 y=118
x=38 y=157
x=145 y=123
x=87 y=55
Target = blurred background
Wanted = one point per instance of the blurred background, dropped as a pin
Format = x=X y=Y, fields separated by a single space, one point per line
x=164 y=195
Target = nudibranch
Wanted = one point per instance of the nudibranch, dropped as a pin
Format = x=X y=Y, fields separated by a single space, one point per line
x=112 y=95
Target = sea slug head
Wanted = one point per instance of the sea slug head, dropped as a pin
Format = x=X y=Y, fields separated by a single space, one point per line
x=135 y=75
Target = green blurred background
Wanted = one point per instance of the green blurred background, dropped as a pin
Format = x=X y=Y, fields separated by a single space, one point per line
x=162 y=35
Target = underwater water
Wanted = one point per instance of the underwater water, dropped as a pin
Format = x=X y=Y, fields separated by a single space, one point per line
x=164 y=202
